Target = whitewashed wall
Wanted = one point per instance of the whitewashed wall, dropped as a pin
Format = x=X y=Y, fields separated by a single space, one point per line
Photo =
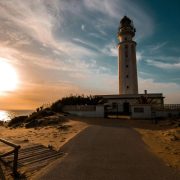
x=146 y=114
x=90 y=111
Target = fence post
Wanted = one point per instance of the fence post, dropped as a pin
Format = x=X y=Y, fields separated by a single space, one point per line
x=15 y=163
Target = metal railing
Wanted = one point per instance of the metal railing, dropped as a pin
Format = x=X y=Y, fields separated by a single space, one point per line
x=14 y=151
x=172 y=106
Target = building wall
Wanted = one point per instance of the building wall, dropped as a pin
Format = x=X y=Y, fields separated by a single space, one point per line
x=141 y=112
x=149 y=113
x=120 y=103
x=85 y=111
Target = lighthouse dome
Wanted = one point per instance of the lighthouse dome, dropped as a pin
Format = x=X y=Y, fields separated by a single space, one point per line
x=126 y=27
x=125 y=21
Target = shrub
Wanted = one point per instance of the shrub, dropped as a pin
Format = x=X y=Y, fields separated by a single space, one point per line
x=17 y=121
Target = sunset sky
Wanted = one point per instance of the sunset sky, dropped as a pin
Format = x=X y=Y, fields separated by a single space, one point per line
x=62 y=47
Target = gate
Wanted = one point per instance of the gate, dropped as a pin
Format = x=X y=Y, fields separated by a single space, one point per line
x=114 y=110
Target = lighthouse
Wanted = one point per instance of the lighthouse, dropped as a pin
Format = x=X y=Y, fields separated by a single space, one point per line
x=128 y=83
x=128 y=101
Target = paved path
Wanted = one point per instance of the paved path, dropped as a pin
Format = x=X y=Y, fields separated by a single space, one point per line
x=108 y=153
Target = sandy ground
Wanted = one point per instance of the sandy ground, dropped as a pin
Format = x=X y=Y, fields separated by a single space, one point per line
x=49 y=135
x=163 y=139
x=55 y=136
x=165 y=143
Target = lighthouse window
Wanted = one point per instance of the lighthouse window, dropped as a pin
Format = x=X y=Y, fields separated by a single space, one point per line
x=127 y=76
x=127 y=66
x=127 y=87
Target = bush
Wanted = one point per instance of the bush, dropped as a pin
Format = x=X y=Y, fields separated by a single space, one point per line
x=17 y=121
x=57 y=106
x=40 y=114
x=75 y=100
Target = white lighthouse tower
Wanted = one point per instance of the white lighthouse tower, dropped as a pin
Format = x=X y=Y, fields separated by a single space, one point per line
x=127 y=58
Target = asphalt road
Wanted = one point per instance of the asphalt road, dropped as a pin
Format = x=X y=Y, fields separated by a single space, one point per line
x=108 y=153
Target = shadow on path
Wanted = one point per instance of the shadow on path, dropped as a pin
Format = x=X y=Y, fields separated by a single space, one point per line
x=120 y=122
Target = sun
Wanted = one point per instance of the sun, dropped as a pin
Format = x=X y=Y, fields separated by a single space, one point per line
x=8 y=77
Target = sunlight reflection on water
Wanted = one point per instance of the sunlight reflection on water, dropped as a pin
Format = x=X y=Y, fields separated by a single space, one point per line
x=4 y=115
x=8 y=115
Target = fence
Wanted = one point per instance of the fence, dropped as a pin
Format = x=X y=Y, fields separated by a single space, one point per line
x=14 y=151
x=85 y=110
x=172 y=106
x=79 y=108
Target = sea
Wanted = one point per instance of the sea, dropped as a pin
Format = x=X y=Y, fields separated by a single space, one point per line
x=6 y=115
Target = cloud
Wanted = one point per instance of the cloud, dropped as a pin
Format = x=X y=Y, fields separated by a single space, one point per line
x=96 y=35
x=169 y=90
x=86 y=44
x=60 y=47
x=139 y=56
x=34 y=95
x=103 y=6
x=153 y=86
x=83 y=27
x=158 y=46
x=35 y=19
x=163 y=65
x=110 y=49
x=113 y=10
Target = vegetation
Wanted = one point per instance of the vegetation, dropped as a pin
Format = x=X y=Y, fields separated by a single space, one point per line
x=17 y=121
x=40 y=113
x=75 y=100
x=44 y=111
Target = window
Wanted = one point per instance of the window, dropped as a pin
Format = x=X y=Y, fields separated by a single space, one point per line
x=127 y=87
x=127 y=76
x=127 y=66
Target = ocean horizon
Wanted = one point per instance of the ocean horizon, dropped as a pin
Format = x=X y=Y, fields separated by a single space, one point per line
x=7 y=115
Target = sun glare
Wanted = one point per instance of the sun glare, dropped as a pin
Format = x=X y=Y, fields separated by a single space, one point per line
x=8 y=77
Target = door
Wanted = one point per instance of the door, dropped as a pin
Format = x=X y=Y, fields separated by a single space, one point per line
x=126 y=108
